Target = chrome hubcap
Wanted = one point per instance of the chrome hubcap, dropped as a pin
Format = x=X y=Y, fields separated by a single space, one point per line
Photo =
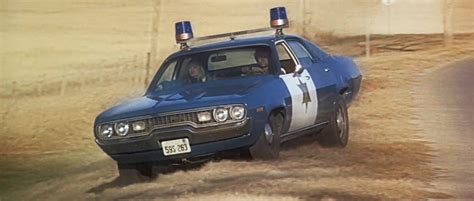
x=269 y=133
x=341 y=123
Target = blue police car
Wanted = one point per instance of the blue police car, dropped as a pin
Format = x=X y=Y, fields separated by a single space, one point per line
x=242 y=93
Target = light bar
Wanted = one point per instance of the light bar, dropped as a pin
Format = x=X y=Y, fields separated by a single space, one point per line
x=278 y=21
x=231 y=35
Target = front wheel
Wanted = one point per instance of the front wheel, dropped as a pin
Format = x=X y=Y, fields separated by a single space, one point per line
x=336 y=132
x=136 y=172
x=267 y=146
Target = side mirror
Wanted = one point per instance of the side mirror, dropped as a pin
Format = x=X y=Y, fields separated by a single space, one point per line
x=299 y=70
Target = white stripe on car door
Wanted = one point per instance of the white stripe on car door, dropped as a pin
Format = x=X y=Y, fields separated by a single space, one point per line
x=304 y=99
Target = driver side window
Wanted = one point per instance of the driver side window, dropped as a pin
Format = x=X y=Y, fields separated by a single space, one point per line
x=288 y=65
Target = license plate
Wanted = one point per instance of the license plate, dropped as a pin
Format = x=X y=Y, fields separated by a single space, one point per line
x=173 y=147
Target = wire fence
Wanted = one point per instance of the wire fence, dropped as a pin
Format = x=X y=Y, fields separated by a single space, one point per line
x=131 y=72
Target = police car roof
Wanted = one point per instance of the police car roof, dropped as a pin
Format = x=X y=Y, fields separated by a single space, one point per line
x=237 y=42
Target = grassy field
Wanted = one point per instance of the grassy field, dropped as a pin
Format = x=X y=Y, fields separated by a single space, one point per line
x=65 y=62
x=56 y=158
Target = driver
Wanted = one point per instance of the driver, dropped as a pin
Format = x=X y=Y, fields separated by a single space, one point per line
x=196 y=72
x=262 y=56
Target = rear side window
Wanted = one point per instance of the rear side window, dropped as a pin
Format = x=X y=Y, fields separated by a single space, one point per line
x=301 y=52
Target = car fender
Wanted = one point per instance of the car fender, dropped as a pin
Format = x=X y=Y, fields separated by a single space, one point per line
x=268 y=97
x=348 y=77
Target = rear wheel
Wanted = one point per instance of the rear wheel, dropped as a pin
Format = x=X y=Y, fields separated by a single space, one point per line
x=337 y=131
x=267 y=146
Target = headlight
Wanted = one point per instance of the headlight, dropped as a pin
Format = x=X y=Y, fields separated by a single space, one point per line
x=138 y=126
x=221 y=114
x=121 y=128
x=106 y=131
x=237 y=112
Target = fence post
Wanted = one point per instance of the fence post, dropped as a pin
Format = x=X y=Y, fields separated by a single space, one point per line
x=447 y=22
x=121 y=68
x=302 y=16
x=367 y=44
x=39 y=87
x=63 y=85
x=147 y=71
x=136 y=70
x=83 y=82
x=101 y=79
x=155 y=29
x=13 y=90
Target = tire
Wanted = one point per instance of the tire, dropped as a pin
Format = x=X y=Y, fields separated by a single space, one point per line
x=136 y=172
x=336 y=133
x=267 y=146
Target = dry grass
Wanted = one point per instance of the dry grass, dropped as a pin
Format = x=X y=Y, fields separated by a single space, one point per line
x=47 y=149
x=385 y=159
x=355 y=45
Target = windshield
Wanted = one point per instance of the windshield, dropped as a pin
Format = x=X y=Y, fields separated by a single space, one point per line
x=213 y=65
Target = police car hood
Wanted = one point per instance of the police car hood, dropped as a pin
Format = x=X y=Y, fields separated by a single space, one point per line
x=212 y=93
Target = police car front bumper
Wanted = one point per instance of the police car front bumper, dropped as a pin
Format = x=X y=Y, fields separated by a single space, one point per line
x=203 y=141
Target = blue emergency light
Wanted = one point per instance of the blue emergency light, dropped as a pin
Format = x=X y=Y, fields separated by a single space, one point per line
x=184 y=32
x=278 y=18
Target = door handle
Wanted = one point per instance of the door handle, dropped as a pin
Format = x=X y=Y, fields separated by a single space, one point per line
x=326 y=69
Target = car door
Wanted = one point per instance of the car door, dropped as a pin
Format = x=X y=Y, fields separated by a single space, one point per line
x=323 y=78
x=304 y=99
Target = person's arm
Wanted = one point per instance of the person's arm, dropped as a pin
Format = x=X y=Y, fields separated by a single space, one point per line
x=246 y=69
x=254 y=69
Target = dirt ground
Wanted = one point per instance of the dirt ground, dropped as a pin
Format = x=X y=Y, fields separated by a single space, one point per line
x=47 y=150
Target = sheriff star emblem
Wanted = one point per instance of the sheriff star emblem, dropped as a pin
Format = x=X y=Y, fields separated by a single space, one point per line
x=306 y=97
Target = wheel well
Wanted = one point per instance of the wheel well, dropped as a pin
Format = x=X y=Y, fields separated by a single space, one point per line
x=279 y=110
x=343 y=90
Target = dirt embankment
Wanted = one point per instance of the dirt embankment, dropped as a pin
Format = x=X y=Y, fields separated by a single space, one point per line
x=386 y=158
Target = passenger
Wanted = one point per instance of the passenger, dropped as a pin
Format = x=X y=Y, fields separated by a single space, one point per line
x=196 y=72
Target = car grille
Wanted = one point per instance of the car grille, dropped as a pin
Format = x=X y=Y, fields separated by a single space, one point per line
x=174 y=119
x=180 y=118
